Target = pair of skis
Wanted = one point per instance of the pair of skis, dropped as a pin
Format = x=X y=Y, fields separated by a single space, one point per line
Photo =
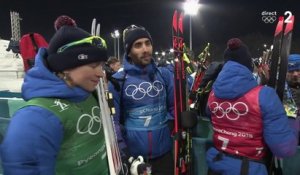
x=184 y=120
x=106 y=112
x=112 y=148
x=281 y=50
x=278 y=69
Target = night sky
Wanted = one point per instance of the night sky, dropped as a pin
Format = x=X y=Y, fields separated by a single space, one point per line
x=216 y=21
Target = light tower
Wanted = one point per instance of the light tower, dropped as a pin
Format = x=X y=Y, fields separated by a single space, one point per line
x=15 y=32
x=15 y=26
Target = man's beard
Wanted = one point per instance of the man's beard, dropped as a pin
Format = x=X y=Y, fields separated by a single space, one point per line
x=294 y=83
x=145 y=59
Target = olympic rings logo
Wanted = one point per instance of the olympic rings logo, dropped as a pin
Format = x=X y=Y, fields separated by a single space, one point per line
x=268 y=19
x=231 y=111
x=94 y=122
x=143 y=89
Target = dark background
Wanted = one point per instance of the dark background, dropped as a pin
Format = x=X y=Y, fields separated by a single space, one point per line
x=216 y=21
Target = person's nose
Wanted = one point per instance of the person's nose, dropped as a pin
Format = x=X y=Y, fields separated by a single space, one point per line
x=99 y=71
x=146 y=48
x=295 y=74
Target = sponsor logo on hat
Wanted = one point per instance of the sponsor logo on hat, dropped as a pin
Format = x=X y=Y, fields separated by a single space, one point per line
x=82 y=57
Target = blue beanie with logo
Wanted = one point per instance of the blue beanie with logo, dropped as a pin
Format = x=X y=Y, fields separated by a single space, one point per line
x=294 y=62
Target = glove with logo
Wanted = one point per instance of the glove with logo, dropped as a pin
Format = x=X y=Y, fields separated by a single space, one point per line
x=139 y=167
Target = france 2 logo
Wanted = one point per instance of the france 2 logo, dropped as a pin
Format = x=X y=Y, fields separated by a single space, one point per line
x=271 y=17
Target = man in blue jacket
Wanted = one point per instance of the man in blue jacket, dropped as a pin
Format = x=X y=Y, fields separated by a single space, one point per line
x=247 y=119
x=293 y=81
x=143 y=98
x=292 y=95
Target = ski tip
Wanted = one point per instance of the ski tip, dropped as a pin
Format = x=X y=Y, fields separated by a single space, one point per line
x=279 y=27
x=281 y=18
x=174 y=22
x=289 y=26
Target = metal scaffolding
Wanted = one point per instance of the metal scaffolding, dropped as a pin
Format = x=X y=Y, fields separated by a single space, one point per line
x=15 y=26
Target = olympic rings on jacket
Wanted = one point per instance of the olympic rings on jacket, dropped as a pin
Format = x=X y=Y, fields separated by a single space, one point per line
x=94 y=123
x=231 y=111
x=143 y=89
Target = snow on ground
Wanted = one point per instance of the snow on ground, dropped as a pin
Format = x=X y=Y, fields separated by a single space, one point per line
x=10 y=82
x=11 y=69
x=11 y=74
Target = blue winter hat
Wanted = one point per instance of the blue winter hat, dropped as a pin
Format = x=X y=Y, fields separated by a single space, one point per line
x=294 y=62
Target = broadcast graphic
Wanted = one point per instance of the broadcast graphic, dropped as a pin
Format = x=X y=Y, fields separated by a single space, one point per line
x=269 y=17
